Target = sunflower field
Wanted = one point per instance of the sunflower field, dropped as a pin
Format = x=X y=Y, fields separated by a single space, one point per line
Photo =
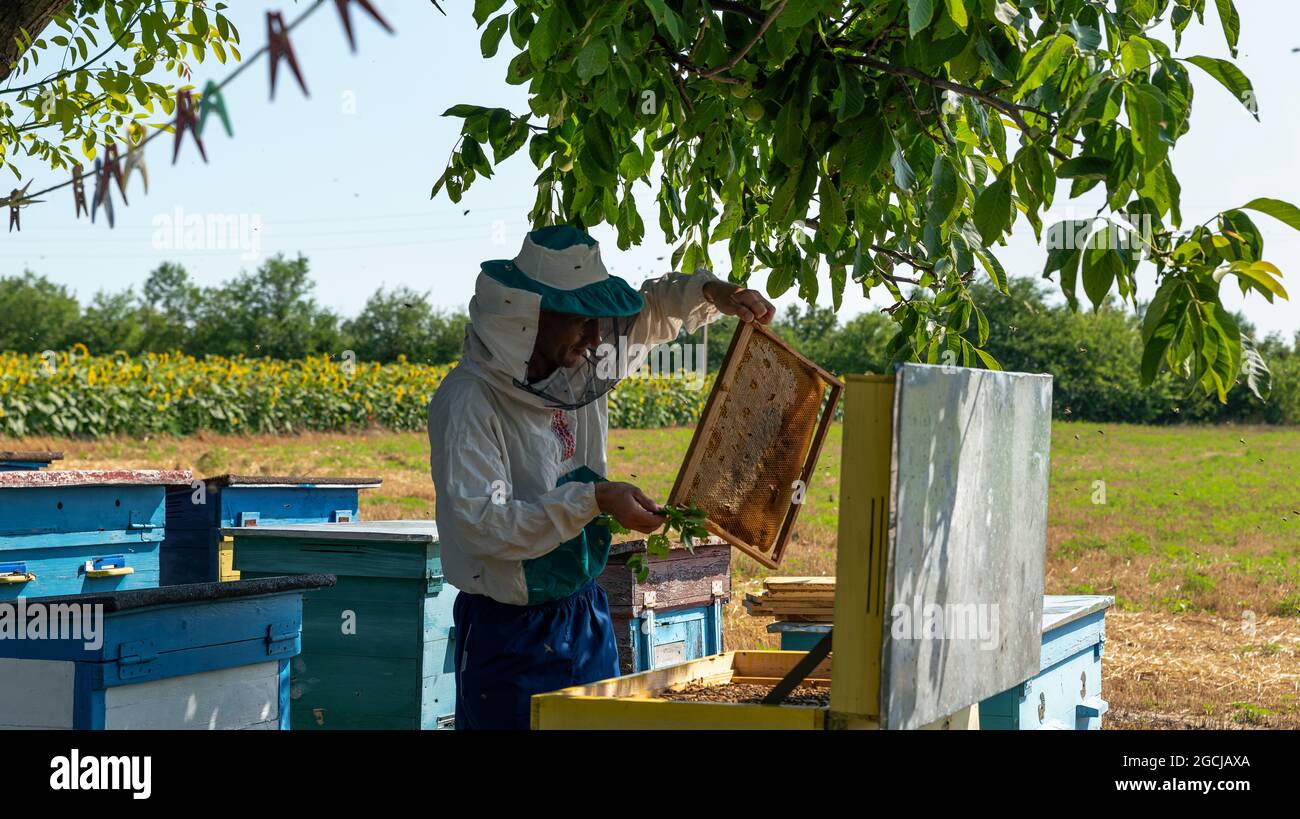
x=73 y=393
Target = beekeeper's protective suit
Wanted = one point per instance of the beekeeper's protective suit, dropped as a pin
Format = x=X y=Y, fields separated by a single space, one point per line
x=515 y=464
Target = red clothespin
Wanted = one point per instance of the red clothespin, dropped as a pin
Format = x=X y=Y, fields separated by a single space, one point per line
x=344 y=7
x=110 y=167
x=278 y=45
x=186 y=118
x=79 y=191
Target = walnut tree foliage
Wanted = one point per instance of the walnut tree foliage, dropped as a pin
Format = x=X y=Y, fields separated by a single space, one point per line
x=893 y=143
x=77 y=75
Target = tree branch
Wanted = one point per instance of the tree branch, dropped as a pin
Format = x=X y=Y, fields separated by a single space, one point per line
x=1011 y=109
x=758 y=35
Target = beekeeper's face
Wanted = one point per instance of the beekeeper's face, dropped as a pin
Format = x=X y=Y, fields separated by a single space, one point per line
x=562 y=341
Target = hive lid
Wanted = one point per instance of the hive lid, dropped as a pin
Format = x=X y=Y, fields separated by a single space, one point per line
x=409 y=531
x=94 y=477
x=1059 y=609
x=192 y=592
x=291 y=481
x=29 y=455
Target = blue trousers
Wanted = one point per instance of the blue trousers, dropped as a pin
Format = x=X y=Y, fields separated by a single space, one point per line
x=505 y=654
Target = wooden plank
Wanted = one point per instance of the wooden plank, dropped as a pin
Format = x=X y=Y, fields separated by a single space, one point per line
x=230 y=698
x=862 y=550
x=36 y=694
x=798 y=582
x=595 y=713
x=810 y=463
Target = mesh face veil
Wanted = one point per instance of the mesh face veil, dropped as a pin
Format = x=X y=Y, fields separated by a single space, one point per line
x=596 y=373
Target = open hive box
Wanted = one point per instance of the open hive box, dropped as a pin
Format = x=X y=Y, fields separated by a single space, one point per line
x=757 y=442
x=939 y=569
x=645 y=700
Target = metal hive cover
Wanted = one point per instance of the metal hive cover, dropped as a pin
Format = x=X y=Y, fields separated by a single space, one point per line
x=757 y=443
x=968 y=535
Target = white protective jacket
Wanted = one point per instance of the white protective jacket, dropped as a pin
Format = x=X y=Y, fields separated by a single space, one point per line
x=512 y=510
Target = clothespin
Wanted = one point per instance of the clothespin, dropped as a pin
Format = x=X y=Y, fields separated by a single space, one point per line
x=135 y=162
x=109 y=167
x=186 y=119
x=212 y=100
x=18 y=199
x=278 y=45
x=102 y=194
x=79 y=191
x=344 y=7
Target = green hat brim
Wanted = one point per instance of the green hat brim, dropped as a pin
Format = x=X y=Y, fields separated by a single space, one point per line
x=607 y=298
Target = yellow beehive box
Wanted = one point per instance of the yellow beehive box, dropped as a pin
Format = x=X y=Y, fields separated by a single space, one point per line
x=632 y=702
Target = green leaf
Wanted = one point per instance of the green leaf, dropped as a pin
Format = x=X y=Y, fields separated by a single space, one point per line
x=666 y=19
x=1231 y=78
x=1278 y=209
x=592 y=60
x=1101 y=264
x=831 y=220
x=1260 y=275
x=491 y=39
x=1084 y=167
x=1231 y=23
x=957 y=11
x=1041 y=61
x=1145 y=108
x=483 y=9
x=993 y=210
x=904 y=176
x=919 y=15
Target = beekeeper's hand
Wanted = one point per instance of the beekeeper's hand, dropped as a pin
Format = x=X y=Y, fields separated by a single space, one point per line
x=741 y=302
x=629 y=506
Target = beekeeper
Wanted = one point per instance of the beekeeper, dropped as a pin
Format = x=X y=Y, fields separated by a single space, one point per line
x=517 y=449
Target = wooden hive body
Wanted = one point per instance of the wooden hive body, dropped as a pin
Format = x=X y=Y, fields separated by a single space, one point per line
x=81 y=531
x=194 y=551
x=204 y=656
x=394 y=668
x=676 y=614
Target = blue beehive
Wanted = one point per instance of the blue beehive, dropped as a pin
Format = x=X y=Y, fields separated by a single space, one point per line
x=203 y=656
x=194 y=551
x=378 y=650
x=81 y=531
x=676 y=614
x=1066 y=692
x=18 y=461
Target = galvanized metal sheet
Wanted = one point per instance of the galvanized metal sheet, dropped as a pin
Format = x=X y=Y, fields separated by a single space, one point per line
x=968 y=535
x=369 y=530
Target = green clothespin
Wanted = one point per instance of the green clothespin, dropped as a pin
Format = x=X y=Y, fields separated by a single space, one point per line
x=212 y=100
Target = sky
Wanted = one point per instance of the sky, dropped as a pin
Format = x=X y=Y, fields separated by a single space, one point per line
x=344 y=176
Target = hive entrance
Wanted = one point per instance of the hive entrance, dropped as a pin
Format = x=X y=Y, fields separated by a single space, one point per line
x=757 y=443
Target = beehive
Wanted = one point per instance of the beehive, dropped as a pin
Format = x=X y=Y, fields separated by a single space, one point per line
x=20 y=460
x=757 y=443
x=81 y=531
x=378 y=646
x=204 y=656
x=194 y=551
x=675 y=614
